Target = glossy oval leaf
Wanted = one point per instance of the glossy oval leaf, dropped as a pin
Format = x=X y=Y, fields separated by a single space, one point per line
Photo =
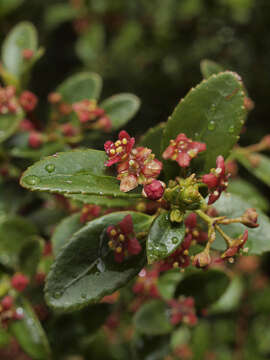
x=248 y=191
x=153 y=138
x=233 y=206
x=152 y=318
x=168 y=282
x=209 y=68
x=78 y=171
x=212 y=113
x=58 y=14
x=22 y=36
x=205 y=286
x=64 y=231
x=85 y=85
x=108 y=202
x=121 y=108
x=30 y=256
x=164 y=238
x=9 y=124
x=260 y=168
x=83 y=274
x=29 y=333
x=37 y=154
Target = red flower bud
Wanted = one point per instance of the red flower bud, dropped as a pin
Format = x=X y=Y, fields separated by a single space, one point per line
x=7 y=302
x=250 y=218
x=155 y=190
x=27 y=54
x=28 y=100
x=19 y=282
x=202 y=259
x=35 y=139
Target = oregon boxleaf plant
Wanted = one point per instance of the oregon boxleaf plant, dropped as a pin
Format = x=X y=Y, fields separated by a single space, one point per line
x=166 y=207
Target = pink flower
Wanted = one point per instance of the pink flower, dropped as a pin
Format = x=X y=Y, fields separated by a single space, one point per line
x=7 y=302
x=19 y=282
x=119 y=151
x=182 y=310
x=216 y=180
x=154 y=190
x=122 y=239
x=87 y=110
x=28 y=100
x=183 y=150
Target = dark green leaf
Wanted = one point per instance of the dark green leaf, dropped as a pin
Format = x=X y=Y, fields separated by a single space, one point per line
x=164 y=238
x=6 y=6
x=261 y=167
x=15 y=233
x=209 y=67
x=79 y=171
x=81 y=86
x=22 y=36
x=30 y=334
x=205 y=286
x=180 y=337
x=212 y=113
x=152 y=318
x=121 y=108
x=9 y=124
x=29 y=257
x=64 y=231
x=107 y=202
x=248 y=191
x=234 y=206
x=37 y=154
x=167 y=283
x=152 y=139
x=85 y=270
x=58 y=14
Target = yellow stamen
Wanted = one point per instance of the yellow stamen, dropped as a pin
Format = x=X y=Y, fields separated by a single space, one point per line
x=121 y=237
x=112 y=151
x=113 y=232
x=118 y=249
x=119 y=149
x=124 y=141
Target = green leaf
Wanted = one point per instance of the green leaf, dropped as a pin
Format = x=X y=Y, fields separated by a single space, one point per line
x=209 y=68
x=262 y=168
x=153 y=138
x=164 y=238
x=167 y=283
x=152 y=318
x=230 y=300
x=205 y=286
x=85 y=85
x=9 y=124
x=22 y=36
x=15 y=233
x=212 y=113
x=79 y=171
x=85 y=270
x=6 y=6
x=30 y=256
x=180 y=337
x=248 y=191
x=64 y=231
x=103 y=201
x=30 y=334
x=37 y=154
x=58 y=14
x=121 y=108
x=233 y=206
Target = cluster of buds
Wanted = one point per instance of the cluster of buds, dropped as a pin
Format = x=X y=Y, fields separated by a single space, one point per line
x=135 y=166
x=89 y=212
x=28 y=100
x=216 y=180
x=122 y=239
x=183 y=150
x=182 y=310
x=19 y=282
x=8 y=102
x=8 y=311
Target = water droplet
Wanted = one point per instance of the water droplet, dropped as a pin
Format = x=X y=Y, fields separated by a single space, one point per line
x=57 y=294
x=50 y=168
x=31 y=180
x=174 y=240
x=211 y=125
x=231 y=129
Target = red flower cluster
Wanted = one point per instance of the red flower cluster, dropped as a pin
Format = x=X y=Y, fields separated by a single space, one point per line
x=216 y=180
x=193 y=231
x=183 y=150
x=236 y=246
x=8 y=311
x=178 y=259
x=122 y=239
x=136 y=166
x=88 y=111
x=89 y=212
x=183 y=310
x=28 y=100
x=8 y=103
x=19 y=282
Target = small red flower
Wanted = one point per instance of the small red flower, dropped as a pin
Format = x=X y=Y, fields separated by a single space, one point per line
x=68 y=130
x=28 y=101
x=154 y=190
x=183 y=310
x=183 y=150
x=26 y=125
x=236 y=246
x=122 y=239
x=87 y=110
x=216 y=180
x=89 y=212
x=19 y=282
x=27 y=54
x=35 y=139
x=119 y=151
x=193 y=229
x=7 y=302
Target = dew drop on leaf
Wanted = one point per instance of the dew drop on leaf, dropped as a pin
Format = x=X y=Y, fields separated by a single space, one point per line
x=211 y=125
x=57 y=294
x=174 y=240
x=231 y=129
x=31 y=180
x=50 y=168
